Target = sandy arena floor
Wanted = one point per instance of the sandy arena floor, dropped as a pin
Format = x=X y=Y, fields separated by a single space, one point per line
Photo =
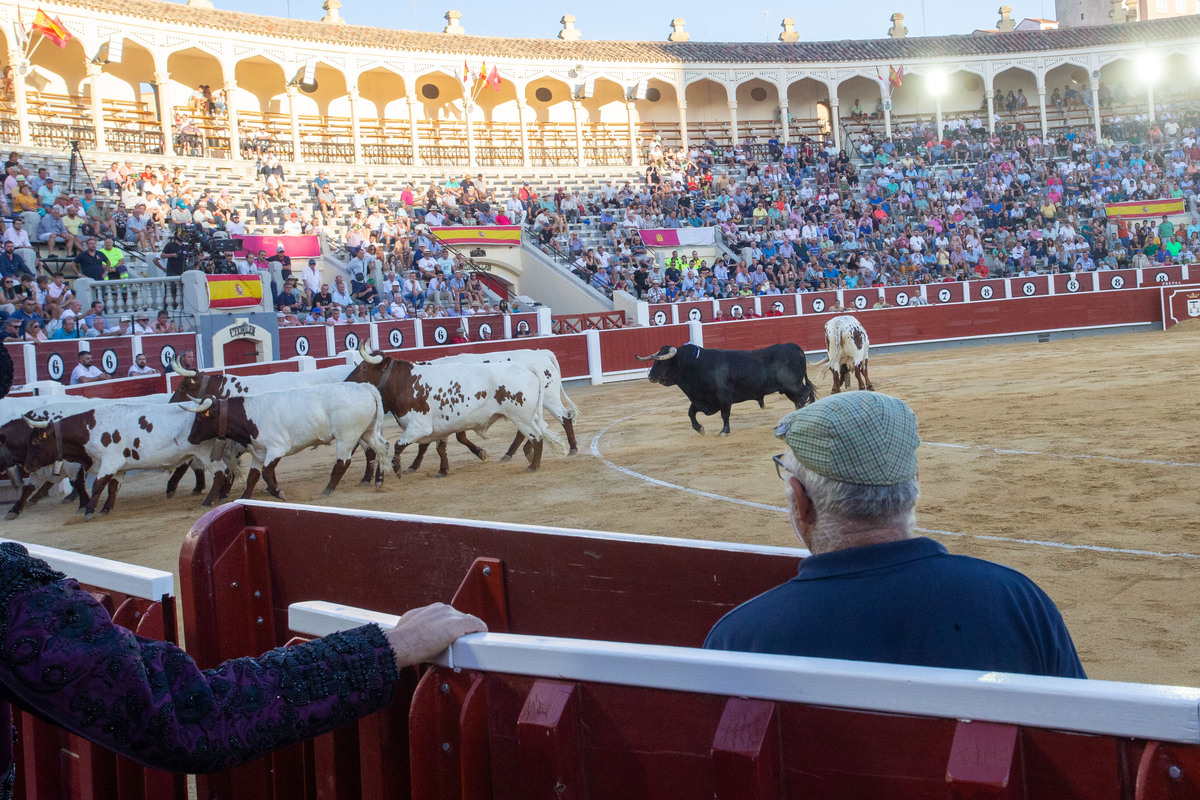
x=1075 y=462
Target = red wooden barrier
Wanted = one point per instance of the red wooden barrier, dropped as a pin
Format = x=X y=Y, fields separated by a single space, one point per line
x=303 y=340
x=1166 y=273
x=701 y=310
x=17 y=353
x=737 y=307
x=860 y=299
x=943 y=293
x=618 y=348
x=160 y=348
x=818 y=302
x=1180 y=303
x=243 y=564
x=121 y=387
x=349 y=336
x=1116 y=279
x=394 y=334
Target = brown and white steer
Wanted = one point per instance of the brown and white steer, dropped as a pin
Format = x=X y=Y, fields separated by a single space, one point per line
x=273 y=425
x=110 y=439
x=435 y=401
x=847 y=344
x=554 y=398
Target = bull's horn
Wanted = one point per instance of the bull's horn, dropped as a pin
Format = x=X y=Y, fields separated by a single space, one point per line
x=36 y=423
x=367 y=356
x=659 y=356
x=179 y=369
x=198 y=406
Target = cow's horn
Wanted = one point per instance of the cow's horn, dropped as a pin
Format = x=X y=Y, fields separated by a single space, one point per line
x=659 y=356
x=187 y=373
x=198 y=406
x=37 y=423
x=367 y=356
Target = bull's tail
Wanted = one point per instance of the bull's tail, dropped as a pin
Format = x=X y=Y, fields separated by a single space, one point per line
x=378 y=442
x=557 y=443
x=572 y=409
x=813 y=364
x=542 y=430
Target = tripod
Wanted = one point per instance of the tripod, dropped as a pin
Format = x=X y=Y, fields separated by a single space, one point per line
x=73 y=171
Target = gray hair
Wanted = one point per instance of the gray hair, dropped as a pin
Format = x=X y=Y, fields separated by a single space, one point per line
x=838 y=504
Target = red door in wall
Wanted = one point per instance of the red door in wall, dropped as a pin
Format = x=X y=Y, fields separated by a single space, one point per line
x=241 y=351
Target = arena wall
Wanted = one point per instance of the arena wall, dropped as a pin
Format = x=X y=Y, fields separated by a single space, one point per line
x=1045 y=304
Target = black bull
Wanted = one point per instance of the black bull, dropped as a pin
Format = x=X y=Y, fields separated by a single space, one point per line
x=714 y=380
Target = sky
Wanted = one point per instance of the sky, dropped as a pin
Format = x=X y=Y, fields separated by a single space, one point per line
x=707 y=20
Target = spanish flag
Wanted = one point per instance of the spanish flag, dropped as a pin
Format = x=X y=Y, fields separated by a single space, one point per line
x=234 y=291
x=1135 y=209
x=481 y=235
x=51 y=28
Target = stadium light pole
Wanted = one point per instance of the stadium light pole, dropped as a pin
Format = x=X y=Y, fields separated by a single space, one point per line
x=935 y=83
x=1150 y=68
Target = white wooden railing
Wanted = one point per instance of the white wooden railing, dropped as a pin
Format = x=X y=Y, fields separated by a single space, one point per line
x=133 y=295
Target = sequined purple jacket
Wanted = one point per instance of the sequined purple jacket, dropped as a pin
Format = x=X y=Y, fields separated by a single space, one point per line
x=62 y=658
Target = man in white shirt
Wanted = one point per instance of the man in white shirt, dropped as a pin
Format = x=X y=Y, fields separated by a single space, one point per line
x=341 y=294
x=142 y=325
x=235 y=226
x=396 y=309
x=311 y=278
x=140 y=367
x=85 y=371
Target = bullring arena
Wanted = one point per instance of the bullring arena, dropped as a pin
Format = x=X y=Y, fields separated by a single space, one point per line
x=1073 y=461
x=1011 y=212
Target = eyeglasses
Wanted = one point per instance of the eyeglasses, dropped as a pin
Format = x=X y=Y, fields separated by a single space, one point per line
x=780 y=469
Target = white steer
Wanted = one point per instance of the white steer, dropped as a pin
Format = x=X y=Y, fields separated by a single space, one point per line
x=847 y=344
x=274 y=425
x=110 y=439
x=435 y=401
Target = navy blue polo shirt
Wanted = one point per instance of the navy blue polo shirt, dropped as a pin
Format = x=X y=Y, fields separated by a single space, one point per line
x=906 y=602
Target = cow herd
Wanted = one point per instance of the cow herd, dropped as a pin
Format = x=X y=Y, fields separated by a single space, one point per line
x=215 y=422
x=225 y=427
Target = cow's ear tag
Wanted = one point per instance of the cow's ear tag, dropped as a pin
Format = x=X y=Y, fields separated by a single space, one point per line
x=781 y=429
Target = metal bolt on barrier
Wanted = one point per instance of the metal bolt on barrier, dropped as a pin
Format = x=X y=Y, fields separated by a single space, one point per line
x=1175 y=772
x=445 y=747
x=487 y=571
x=445 y=688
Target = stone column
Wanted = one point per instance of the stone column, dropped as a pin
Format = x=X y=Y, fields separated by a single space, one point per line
x=1096 y=108
x=733 y=126
x=468 y=113
x=14 y=58
x=162 y=80
x=887 y=119
x=235 y=136
x=785 y=122
x=633 y=156
x=940 y=128
x=1041 y=89
x=577 y=108
x=835 y=115
x=1150 y=100
x=93 y=76
x=297 y=154
x=991 y=111
x=523 y=112
x=412 y=130
x=683 y=136
x=355 y=130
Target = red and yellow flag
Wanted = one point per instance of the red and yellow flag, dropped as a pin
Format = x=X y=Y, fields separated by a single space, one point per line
x=51 y=28
x=484 y=235
x=896 y=76
x=1134 y=209
x=234 y=291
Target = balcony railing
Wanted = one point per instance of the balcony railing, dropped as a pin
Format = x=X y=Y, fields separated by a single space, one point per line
x=133 y=295
x=444 y=155
x=128 y=141
x=387 y=153
x=60 y=135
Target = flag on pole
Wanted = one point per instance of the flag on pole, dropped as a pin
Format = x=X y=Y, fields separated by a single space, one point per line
x=493 y=79
x=52 y=29
x=466 y=72
x=896 y=76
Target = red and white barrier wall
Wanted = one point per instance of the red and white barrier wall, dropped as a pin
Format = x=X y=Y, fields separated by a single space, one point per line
x=955 y=311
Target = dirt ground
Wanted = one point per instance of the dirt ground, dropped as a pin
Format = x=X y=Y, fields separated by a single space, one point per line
x=1074 y=461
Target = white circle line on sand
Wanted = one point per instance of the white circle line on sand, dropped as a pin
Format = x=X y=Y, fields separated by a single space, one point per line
x=1007 y=452
x=595 y=448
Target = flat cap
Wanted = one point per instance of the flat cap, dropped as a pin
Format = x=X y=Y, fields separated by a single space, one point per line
x=860 y=437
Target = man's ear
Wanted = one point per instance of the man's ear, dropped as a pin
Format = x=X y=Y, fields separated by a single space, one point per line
x=805 y=509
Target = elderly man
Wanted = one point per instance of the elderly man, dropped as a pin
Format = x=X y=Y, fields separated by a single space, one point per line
x=872 y=590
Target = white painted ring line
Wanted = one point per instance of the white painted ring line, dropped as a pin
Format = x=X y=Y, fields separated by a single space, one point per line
x=595 y=449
